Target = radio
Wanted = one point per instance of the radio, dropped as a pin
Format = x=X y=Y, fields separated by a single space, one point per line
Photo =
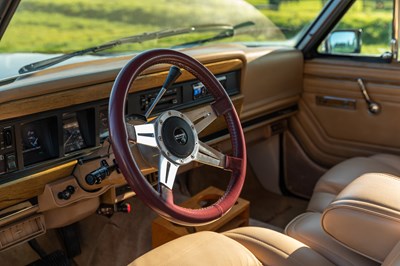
x=200 y=91
x=181 y=95
x=169 y=99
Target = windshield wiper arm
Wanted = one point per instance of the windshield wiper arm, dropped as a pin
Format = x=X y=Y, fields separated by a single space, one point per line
x=222 y=35
x=58 y=59
x=131 y=39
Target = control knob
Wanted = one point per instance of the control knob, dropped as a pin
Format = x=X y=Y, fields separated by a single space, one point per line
x=66 y=193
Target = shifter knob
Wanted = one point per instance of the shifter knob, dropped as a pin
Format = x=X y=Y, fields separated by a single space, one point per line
x=173 y=75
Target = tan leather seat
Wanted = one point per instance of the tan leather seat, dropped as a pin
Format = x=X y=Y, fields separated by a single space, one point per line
x=359 y=220
x=242 y=246
x=203 y=248
x=339 y=176
x=365 y=216
x=273 y=248
x=393 y=259
x=307 y=227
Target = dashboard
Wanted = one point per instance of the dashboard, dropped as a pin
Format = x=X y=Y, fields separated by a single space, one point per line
x=54 y=128
x=33 y=143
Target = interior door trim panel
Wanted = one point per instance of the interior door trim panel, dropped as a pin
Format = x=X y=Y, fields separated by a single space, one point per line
x=330 y=135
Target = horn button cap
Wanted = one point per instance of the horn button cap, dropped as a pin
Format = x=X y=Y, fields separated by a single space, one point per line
x=178 y=137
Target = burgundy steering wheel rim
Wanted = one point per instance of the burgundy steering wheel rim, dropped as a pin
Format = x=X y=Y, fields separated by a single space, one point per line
x=236 y=162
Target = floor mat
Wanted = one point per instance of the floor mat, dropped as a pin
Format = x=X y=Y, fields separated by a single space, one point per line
x=117 y=240
x=120 y=239
x=104 y=241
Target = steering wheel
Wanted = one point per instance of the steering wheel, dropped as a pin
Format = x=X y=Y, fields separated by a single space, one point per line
x=174 y=135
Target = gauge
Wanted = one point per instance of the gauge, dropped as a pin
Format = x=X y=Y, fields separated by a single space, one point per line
x=31 y=141
x=73 y=139
x=39 y=140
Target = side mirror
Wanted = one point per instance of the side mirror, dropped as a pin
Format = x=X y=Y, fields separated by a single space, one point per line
x=343 y=42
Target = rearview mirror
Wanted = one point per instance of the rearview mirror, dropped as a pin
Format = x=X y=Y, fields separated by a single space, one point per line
x=344 y=42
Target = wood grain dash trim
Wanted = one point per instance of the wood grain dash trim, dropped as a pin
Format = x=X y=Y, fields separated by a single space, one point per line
x=62 y=99
x=33 y=185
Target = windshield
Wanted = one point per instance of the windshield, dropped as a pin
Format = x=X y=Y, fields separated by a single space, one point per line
x=42 y=29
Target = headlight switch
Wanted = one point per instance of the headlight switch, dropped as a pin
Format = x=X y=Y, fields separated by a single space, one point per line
x=66 y=193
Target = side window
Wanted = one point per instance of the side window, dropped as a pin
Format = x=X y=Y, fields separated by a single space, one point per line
x=366 y=30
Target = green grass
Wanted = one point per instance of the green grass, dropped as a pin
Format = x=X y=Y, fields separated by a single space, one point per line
x=292 y=15
x=375 y=23
x=68 y=25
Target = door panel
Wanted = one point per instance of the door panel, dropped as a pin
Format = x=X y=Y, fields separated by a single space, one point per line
x=330 y=134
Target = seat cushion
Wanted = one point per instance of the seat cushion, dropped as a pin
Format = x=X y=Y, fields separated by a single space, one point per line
x=307 y=229
x=203 y=248
x=273 y=248
x=339 y=176
x=241 y=246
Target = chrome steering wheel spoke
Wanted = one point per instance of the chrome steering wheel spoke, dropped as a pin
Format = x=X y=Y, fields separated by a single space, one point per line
x=167 y=172
x=202 y=117
x=210 y=156
x=142 y=134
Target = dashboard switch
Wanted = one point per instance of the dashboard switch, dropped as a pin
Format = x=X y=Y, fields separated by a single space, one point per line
x=8 y=138
x=2 y=164
x=11 y=162
x=66 y=193
x=124 y=207
x=108 y=210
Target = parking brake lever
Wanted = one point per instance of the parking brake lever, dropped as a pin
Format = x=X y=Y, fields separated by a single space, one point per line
x=373 y=107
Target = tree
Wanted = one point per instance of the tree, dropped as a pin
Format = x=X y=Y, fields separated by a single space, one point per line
x=274 y=4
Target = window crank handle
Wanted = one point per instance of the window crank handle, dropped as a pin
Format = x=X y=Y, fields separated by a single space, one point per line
x=373 y=107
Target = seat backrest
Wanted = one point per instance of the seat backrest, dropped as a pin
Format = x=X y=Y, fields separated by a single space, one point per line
x=365 y=216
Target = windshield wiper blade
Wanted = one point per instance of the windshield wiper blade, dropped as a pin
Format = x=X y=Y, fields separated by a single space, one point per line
x=131 y=39
x=222 y=35
x=58 y=59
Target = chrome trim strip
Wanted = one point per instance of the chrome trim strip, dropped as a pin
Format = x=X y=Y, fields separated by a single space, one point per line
x=336 y=102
